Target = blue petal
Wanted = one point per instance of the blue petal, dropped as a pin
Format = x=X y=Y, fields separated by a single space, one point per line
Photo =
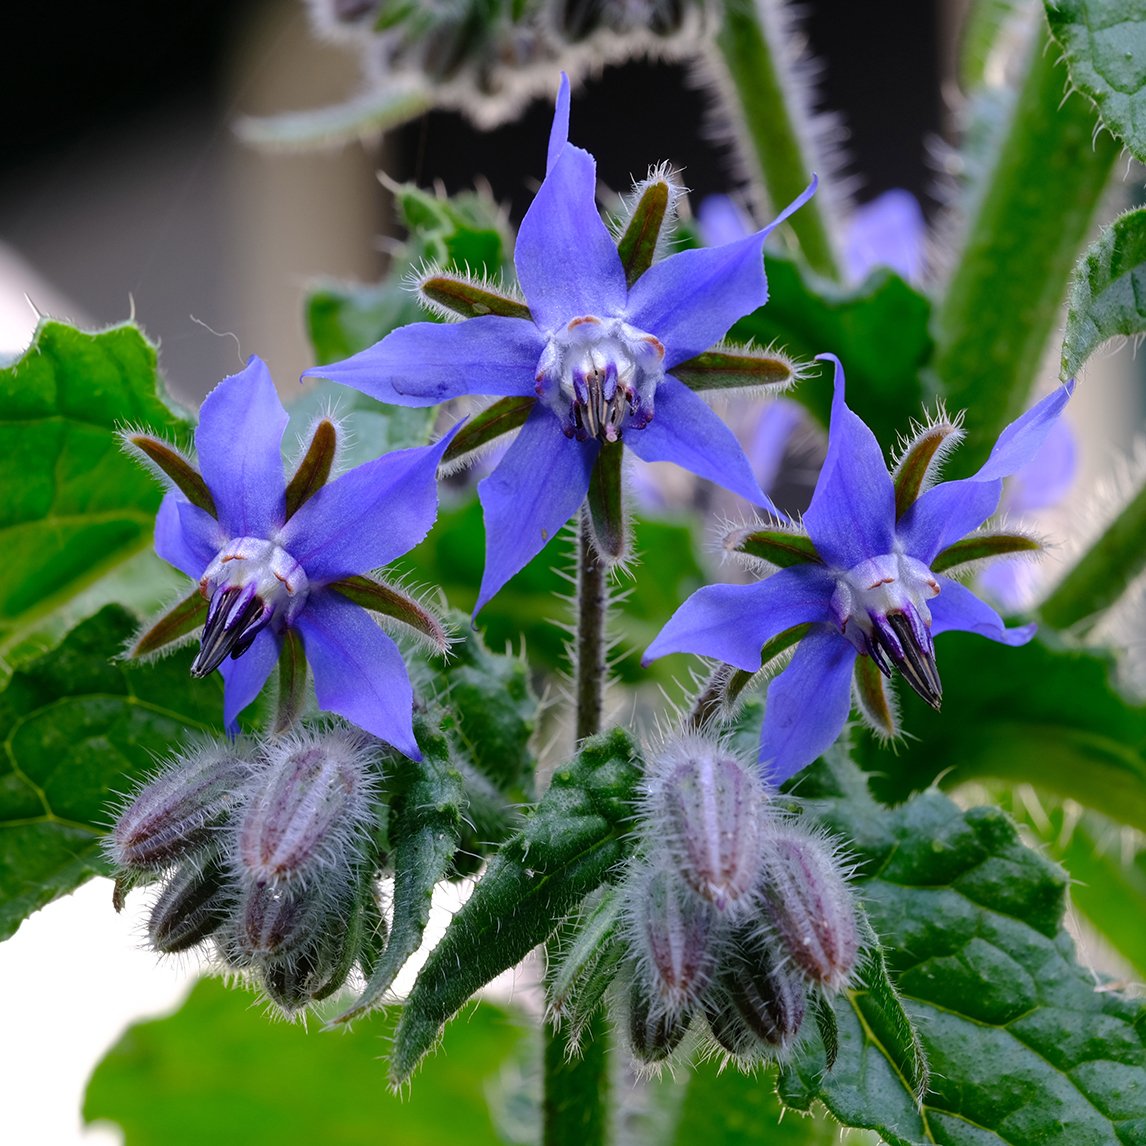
x=690 y=299
x=685 y=430
x=429 y=362
x=807 y=705
x=945 y=514
x=244 y=676
x=1021 y=440
x=852 y=514
x=239 y=440
x=732 y=622
x=957 y=609
x=538 y=485
x=358 y=670
x=369 y=516
x=721 y=220
x=566 y=260
x=187 y=537
x=559 y=132
x=1045 y=480
x=889 y=231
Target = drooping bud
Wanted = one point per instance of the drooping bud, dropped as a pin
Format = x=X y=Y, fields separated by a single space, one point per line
x=764 y=990
x=653 y=1032
x=276 y=919
x=706 y=808
x=179 y=810
x=673 y=938
x=811 y=906
x=196 y=902
x=309 y=808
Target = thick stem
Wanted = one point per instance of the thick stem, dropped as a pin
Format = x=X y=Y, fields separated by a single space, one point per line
x=576 y=1086
x=780 y=157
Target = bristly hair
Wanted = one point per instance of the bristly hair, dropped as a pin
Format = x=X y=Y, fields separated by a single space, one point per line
x=414 y=279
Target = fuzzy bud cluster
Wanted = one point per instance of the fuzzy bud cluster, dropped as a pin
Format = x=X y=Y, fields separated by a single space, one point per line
x=266 y=852
x=732 y=912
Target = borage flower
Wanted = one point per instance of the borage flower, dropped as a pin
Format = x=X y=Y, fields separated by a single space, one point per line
x=609 y=348
x=861 y=590
x=283 y=568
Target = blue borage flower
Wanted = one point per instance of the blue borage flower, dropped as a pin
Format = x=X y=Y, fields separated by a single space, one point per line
x=278 y=563
x=595 y=352
x=863 y=589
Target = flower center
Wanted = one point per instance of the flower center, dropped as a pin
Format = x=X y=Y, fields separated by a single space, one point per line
x=599 y=375
x=250 y=583
x=881 y=607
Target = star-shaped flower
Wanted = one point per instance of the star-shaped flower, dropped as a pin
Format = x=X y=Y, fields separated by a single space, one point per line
x=861 y=590
x=589 y=359
x=283 y=568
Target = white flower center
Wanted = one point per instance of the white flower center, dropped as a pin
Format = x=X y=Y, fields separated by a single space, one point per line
x=599 y=376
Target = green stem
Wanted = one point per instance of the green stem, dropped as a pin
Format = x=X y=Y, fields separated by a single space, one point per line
x=771 y=130
x=1025 y=230
x=1103 y=573
x=575 y=1111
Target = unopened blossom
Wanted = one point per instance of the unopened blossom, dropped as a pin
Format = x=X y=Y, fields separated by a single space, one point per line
x=275 y=562
x=592 y=350
x=857 y=590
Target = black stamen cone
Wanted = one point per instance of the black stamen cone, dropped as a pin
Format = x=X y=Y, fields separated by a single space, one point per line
x=226 y=633
x=916 y=664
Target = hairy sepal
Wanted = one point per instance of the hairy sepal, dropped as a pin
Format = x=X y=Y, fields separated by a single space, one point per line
x=651 y=212
x=876 y=699
x=921 y=457
x=483 y=429
x=453 y=295
x=179 y=623
x=314 y=466
x=740 y=369
x=390 y=602
x=605 y=512
x=777 y=546
x=982 y=547
x=171 y=465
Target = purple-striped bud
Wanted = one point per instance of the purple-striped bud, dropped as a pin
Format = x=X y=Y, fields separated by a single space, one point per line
x=653 y=1033
x=276 y=918
x=810 y=903
x=179 y=810
x=196 y=901
x=765 y=992
x=309 y=809
x=673 y=938
x=705 y=808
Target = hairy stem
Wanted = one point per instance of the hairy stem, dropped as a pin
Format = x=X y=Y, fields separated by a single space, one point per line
x=777 y=152
x=576 y=1086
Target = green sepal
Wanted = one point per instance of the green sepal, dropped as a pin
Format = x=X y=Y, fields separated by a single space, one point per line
x=781 y=548
x=638 y=243
x=426 y=801
x=314 y=467
x=1104 y=42
x=500 y=417
x=588 y=961
x=182 y=618
x=185 y=476
x=390 y=602
x=571 y=844
x=874 y=699
x=458 y=294
x=605 y=511
x=1107 y=291
x=292 y=682
x=735 y=370
x=919 y=461
x=980 y=546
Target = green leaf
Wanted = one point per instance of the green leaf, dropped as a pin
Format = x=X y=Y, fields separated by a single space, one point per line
x=568 y=847
x=217 y=1071
x=1107 y=291
x=1047 y=715
x=75 y=507
x=1024 y=1046
x=1027 y=219
x=77 y=730
x=1104 y=42
x=466 y=231
x=426 y=801
x=341 y=320
x=879 y=330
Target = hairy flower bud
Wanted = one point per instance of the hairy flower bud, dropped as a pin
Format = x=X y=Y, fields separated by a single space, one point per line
x=653 y=1033
x=308 y=810
x=196 y=902
x=705 y=808
x=807 y=895
x=179 y=809
x=275 y=919
x=672 y=938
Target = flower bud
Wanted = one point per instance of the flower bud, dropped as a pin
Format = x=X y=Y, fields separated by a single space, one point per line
x=764 y=991
x=672 y=939
x=706 y=808
x=178 y=810
x=195 y=903
x=274 y=919
x=308 y=810
x=653 y=1033
x=809 y=901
